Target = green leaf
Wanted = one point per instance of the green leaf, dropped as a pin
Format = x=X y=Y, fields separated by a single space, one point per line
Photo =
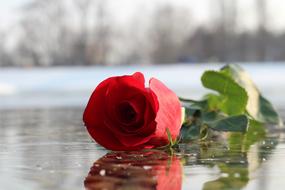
x=191 y=112
x=237 y=123
x=233 y=95
x=189 y=133
x=256 y=132
x=214 y=101
x=267 y=113
x=237 y=100
x=212 y=116
x=257 y=106
x=194 y=104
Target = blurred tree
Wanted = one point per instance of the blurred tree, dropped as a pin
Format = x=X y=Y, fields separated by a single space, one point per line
x=262 y=34
x=83 y=32
x=50 y=34
x=102 y=34
x=5 y=59
x=81 y=42
x=44 y=33
x=169 y=28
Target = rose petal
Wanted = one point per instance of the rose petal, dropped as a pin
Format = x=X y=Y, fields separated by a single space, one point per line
x=139 y=76
x=137 y=139
x=126 y=88
x=122 y=88
x=143 y=127
x=93 y=118
x=169 y=112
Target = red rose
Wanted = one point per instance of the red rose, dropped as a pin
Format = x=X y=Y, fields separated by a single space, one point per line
x=123 y=114
x=135 y=170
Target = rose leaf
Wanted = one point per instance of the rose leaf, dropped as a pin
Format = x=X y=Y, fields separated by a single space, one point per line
x=234 y=97
x=238 y=123
x=257 y=106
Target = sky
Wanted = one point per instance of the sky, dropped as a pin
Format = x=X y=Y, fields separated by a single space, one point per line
x=123 y=11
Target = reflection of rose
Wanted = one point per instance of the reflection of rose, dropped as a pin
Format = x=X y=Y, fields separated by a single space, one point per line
x=122 y=114
x=135 y=170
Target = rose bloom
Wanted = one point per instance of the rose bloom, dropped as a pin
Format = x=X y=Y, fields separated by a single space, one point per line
x=124 y=114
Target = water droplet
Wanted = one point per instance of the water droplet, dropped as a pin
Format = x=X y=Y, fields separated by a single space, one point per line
x=66 y=147
x=39 y=167
x=224 y=175
x=237 y=175
x=102 y=172
x=119 y=157
x=242 y=161
x=263 y=159
x=147 y=167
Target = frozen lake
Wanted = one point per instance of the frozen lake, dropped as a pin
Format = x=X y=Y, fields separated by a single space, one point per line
x=49 y=148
